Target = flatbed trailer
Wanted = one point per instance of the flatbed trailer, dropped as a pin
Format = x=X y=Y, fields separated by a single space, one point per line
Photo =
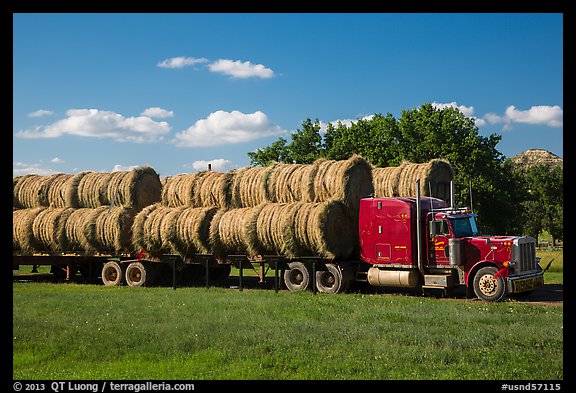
x=145 y=270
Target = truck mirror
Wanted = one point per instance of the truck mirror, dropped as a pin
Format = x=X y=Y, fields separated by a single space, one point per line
x=432 y=228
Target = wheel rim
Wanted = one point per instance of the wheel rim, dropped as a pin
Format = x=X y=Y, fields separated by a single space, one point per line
x=135 y=275
x=111 y=275
x=488 y=285
x=296 y=277
x=327 y=280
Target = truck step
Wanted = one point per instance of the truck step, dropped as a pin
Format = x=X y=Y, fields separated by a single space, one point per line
x=438 y=281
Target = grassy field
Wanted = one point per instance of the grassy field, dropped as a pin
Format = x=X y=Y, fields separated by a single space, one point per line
x=84 y=331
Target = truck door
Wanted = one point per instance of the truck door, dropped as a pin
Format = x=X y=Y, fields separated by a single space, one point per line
x=438 y=250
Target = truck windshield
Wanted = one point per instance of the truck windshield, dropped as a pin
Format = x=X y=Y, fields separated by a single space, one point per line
x=465 y=226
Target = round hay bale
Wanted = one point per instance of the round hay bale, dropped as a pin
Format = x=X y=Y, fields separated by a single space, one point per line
x=386 y=181
x=80 y=229
x=181 y=190
x=138 y=230
x=192 y=231
x=251 y=186
x=31 y=191
x=71 y=198
x=153 y=241
x=325 y=229
x=292 y=183
x=91 y=189
x=434 y=175
x=235 y=189
x=57 y=190
x=213 y=189
x=275 y=229
x=346 y=180
x=134 y=189
x=17 y=182
x=113 y=228
x=23 y=238
x=49 y=228
x=234 y=232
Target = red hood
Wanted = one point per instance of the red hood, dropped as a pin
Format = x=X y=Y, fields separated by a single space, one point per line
x=491 y=248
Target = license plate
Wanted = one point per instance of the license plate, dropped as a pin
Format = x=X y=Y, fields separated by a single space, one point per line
x=526 y=284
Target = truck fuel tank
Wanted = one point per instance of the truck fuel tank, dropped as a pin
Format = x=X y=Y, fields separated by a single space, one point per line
x=399 y=278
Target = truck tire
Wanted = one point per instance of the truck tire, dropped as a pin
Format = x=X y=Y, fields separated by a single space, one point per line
x=138 y=274
x=335 y=279
x=297 y=277
x=486 y=287
x=112 y=273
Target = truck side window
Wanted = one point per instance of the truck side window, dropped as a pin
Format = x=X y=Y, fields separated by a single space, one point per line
x=441 y=227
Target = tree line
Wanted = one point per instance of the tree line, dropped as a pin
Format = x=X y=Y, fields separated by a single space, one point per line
x=508 y=200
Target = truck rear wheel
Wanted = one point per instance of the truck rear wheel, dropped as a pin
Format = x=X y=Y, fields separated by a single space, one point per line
x=332 y=280
x=138 y=274
x=488 y=288
x=296 y=277
x=112 y=273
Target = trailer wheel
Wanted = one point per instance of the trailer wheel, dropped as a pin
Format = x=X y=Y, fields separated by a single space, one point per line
x=112 y=273
x=334 y=279
x=138 y=274
x=296 y=277
x=488 y=288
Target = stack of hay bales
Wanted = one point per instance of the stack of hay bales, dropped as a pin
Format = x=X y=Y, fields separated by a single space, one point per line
x=84 y=212
x=182 y=230
x=283 y=209
x=435 y=176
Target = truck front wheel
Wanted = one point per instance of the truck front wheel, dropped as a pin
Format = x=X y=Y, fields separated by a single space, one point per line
x=296 y=277
x=488 y=288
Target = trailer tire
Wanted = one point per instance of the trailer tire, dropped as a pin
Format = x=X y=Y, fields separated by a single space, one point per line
x=335 y=279
x=297 y=277
x=486 y=287
x=112 y=273
x=138 y=274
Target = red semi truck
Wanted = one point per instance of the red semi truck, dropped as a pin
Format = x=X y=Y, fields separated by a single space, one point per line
x=404 y=242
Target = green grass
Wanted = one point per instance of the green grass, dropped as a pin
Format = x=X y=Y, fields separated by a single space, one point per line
x=554 y=274
x=73 y=331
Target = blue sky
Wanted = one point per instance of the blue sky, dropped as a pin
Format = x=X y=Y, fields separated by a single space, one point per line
x=107 y=91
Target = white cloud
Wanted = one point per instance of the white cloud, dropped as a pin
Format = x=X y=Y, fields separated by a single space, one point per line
x=346 y=122
x=181 y=62
x=467 y=111
x=157 y=112
x=218 y=165
x=57 y=160
x=493 y=118
x=239 y=69
x=551 y=116
x=124 y=168
x=40 y=113
x=223 y=127
x=101 y=124
x=20 y=168
x=479 y=122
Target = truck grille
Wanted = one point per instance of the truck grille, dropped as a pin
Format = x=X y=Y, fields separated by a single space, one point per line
x=524 y=254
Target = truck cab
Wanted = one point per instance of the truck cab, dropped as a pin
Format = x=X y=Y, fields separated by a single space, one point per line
x=406 y=244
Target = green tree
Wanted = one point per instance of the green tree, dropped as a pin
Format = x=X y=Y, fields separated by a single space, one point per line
x=276 y=152
x=306 y=145
x=543 y=209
